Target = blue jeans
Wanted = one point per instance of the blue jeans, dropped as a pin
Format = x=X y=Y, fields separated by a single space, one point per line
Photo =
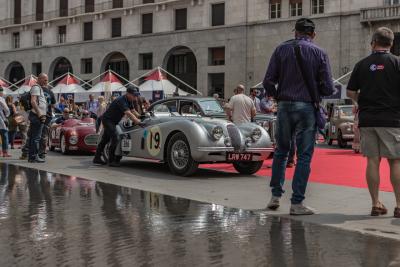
x=35 y=134
x=4 y=139
x=294 y=119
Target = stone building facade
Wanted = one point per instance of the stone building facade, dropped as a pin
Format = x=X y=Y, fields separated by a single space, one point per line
x=210 y=44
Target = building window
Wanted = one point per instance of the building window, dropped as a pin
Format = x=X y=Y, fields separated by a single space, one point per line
x=317 y=7
x=63 y=8
x=216 y=56
x=88 y=31
x=391 y=2
x=147 y=23
x=146 y=61
x=117 y=3
x=36 y=68
x=62 y=34
x=17 y=11
x=16 y=40
x=148 y=1
x=296 y=8
x=218 y=14
x=181 y=19
x=38 y=37
x=86 y=65
x=275 y=9
x=39 y=10
x=89 y=6
x=116 y=27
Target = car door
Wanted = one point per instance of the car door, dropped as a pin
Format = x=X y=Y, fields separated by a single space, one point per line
x=147 y=142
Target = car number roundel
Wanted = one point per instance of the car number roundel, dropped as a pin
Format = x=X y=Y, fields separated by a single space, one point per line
x=153 y=141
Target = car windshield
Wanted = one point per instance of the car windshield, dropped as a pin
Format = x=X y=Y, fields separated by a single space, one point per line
x=346 y=112
x=211 y=107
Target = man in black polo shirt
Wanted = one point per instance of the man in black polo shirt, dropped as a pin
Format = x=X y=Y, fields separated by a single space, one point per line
x=375 y=85
x=120 y=107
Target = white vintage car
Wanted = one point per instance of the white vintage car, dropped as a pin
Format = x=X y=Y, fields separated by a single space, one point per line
x=185 y=141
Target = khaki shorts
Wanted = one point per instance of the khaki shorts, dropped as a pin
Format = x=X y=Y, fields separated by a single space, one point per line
x=380 y=142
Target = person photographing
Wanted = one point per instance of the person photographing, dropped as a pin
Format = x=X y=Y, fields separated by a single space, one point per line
x=37 y=118
x=120 y=107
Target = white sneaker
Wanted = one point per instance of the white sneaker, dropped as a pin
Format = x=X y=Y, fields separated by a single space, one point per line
x=274 y=203
x=300 y=209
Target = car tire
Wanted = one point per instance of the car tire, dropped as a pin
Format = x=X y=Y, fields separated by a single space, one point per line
x=341 y=142
x=51 y=148
x=179 y=158
x=63 y=145
x=248 y=167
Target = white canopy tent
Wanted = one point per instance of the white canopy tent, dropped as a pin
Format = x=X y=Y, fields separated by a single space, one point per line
x=70 y=85
x=5 y=85
x=111 y=82
x=30 y=81
x=157 y=82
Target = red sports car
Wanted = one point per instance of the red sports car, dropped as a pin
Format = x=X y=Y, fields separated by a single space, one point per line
x=74 y=135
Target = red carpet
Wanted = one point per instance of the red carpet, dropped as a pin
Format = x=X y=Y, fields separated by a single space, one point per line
x=329 y=166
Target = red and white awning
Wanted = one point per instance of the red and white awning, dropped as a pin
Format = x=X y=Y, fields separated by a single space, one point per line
x=109 y=83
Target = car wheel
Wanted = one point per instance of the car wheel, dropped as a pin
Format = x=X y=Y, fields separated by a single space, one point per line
x=63 y=145
x=248 y=167
x=329 y=139
x=341 y=142
x=51 y=148
x=179 y=158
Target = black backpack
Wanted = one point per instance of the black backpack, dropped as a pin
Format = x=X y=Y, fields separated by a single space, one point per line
x=25 y=100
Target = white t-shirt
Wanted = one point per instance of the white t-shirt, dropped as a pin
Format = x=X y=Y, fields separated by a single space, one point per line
x=256 y=101
x=241 y=106
x=36 y=90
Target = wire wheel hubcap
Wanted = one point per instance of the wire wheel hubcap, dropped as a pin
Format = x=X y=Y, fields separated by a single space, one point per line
x=180 y=154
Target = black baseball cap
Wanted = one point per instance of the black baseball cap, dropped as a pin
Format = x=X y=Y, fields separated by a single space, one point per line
x=131 y=89
x=305 y=25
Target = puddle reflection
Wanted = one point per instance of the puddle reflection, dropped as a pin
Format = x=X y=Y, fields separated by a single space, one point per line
x=50 y=220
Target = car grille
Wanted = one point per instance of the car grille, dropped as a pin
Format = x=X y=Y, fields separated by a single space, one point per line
x=234 y=135
x=92 y=139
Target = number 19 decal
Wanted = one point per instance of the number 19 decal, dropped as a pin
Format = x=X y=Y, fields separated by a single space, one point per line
x=154 y=139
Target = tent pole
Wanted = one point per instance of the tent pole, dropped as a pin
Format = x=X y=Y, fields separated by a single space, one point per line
x=143 y=75
x=182 y=81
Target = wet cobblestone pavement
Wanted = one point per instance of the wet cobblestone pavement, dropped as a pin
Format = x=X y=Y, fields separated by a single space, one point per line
x=54 y=220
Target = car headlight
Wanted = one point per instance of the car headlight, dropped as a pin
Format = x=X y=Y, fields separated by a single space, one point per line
x=217 y=132
x=73 y=140
x=256 y=134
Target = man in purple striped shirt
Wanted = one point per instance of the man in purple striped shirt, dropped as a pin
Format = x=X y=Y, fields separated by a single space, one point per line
x=296 y=110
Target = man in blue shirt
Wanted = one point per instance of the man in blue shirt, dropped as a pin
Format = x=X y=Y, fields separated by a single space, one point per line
x=120 y=107
x=296 y=110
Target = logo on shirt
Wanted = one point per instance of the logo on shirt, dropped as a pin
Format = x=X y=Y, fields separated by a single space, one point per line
x=375 y=67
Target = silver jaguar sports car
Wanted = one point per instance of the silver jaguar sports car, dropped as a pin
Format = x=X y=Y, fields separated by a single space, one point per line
x=185 y=141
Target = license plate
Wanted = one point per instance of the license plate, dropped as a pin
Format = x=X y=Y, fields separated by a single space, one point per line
x=126 y=145
x=239 y=156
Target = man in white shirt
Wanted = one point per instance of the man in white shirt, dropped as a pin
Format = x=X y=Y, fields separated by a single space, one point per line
x=241 y=108
x=37 y=118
